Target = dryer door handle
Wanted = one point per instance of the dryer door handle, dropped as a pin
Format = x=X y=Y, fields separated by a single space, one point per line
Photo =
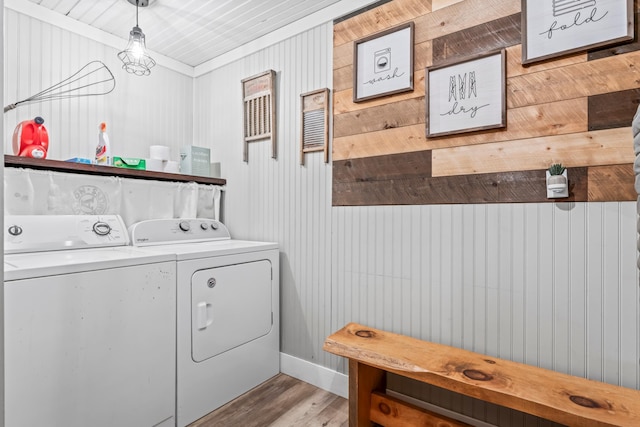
x=204 y=315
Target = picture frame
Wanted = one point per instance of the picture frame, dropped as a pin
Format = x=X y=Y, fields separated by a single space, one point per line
x=314 y=123
x=552 y=28
x=467 y=95
x=259 y=111
x=383 y=63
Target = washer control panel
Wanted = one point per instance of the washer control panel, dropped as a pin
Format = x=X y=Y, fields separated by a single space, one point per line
x=37 y=233
x=180 y=230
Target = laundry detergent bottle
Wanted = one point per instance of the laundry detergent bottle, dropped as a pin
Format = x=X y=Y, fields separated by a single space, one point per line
x=103 y=150
x=30 y=139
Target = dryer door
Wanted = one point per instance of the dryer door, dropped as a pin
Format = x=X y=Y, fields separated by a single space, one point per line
x=230 y=306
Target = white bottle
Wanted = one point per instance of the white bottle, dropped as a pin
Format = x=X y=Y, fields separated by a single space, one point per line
x=103 y=150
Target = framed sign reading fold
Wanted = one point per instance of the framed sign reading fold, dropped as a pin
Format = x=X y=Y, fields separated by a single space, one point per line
x=383 y=63
x=552 y=28
x=467 y=95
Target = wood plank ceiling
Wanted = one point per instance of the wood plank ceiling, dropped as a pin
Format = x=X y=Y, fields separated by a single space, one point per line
x=189 y=31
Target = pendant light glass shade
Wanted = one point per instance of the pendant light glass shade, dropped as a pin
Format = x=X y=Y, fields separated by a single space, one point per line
x=135 y=58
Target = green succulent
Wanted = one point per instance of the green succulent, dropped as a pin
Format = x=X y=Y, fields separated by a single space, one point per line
x=556 y=169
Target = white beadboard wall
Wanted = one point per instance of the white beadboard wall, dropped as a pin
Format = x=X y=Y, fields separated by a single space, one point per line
x=141 y=111
x=553 y=285
x=278 y=200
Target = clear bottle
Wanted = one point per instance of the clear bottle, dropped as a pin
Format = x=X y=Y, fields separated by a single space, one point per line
x=103 y=150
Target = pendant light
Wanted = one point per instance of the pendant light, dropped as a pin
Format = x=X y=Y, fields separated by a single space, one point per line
x=135 y=58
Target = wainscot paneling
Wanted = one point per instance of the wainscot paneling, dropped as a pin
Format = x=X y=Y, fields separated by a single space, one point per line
x=575 y=109
x=552 y=285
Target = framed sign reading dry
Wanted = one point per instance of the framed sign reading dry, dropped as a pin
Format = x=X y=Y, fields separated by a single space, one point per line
x=552 y=28
x=258 y=95
x=466 y=96
x=383 y=63
x=314 y=132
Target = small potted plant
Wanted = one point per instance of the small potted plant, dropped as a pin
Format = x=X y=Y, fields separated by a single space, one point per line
x=557 y=181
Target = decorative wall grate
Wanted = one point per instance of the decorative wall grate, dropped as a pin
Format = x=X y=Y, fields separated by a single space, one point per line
x=259 y=110
x=314 y=133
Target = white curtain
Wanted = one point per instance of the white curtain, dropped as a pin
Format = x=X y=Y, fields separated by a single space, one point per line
x=36 y=192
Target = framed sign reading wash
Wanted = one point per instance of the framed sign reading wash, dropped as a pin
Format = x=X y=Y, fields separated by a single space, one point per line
x=383 y=63
x=556 y=27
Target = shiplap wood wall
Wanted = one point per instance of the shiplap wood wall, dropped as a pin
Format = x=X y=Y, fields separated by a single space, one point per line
x=155 y=110
x=576 y=110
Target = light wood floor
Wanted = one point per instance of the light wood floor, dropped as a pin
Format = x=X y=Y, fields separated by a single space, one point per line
x=282 y=401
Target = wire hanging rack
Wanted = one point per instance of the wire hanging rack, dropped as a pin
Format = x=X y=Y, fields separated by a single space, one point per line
x=93 y=79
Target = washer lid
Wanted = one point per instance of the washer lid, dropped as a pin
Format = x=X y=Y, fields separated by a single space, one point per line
x=40 y=264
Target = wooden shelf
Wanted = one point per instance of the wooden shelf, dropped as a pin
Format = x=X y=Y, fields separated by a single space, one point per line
x=83 y=168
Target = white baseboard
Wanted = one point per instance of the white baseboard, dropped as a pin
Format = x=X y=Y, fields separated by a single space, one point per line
x=316 y=375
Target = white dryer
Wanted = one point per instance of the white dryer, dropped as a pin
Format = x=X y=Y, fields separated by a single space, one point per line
x=228 y=327
x=89 y=325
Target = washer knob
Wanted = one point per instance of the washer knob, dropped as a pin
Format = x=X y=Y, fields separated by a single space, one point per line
x=15 y=230
x=214 y=225
x=101 y=228
x=184 y=226
x=204 y=226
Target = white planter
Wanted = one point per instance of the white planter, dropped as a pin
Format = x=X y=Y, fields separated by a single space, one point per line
x=557 y=185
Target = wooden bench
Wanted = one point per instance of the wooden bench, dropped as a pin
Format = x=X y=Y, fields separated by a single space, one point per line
x=558 y=397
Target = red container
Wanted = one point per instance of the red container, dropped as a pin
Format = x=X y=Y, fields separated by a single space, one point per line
x=30 y=139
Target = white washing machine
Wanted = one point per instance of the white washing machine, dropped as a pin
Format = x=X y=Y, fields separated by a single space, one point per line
x=89 y=325
x=228 y=327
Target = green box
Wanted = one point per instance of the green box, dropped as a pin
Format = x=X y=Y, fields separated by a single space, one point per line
x=129 y=163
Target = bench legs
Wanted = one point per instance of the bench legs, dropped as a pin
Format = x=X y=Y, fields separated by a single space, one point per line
x=363 y=381
x=367 y=401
